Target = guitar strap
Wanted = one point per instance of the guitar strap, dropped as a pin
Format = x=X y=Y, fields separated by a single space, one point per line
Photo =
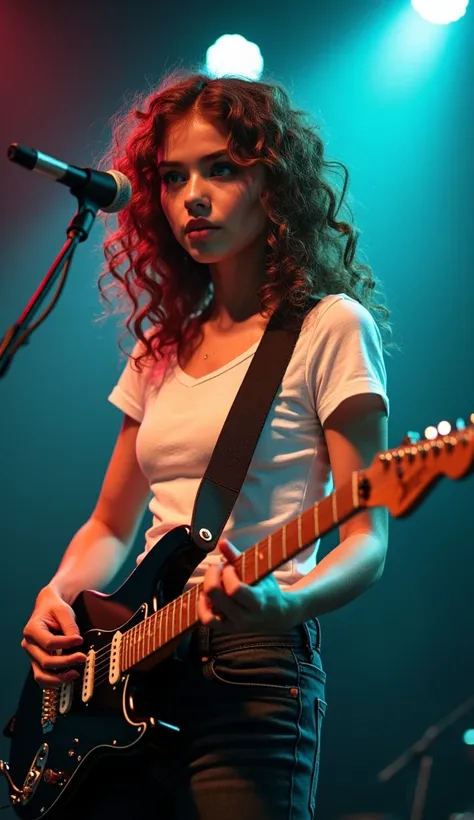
x=236 y=443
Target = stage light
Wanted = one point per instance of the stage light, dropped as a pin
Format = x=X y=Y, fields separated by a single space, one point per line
x=444 y=428
x=233 y=55
x=468 y=737
x=441 y=12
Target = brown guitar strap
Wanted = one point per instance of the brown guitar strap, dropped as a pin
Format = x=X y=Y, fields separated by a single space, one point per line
x=236 y=443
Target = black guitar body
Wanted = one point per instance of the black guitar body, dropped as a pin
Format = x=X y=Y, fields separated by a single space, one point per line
x=54 y=743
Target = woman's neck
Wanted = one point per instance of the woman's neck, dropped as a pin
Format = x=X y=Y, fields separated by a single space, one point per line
x=236 y=284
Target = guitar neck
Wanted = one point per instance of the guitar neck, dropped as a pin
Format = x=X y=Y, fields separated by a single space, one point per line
x=181 y=615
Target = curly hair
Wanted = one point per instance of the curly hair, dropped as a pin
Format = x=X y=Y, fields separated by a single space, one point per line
x=310 y=252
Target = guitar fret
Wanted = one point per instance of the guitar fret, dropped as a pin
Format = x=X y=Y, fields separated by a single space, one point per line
x=300 y=535
x=140 y=640
x=160 y=636
x=283 y=540
x=269 y=539
x=151 y=634
x=132 y=640
x=316 y=520
x=255 y=549
x=355 y=489
x=334 y=506
x=138 y=627
x=124 y=650
x=181 y=615
x=244 y=579
x=196 y=598
x=186 y=607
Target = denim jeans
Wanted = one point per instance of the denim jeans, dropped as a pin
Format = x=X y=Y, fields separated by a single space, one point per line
x=250 y=709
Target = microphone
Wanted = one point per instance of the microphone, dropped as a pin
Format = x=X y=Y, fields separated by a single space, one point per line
x=109 y=190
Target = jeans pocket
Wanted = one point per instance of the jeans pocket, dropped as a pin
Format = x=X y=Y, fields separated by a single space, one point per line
x=267 y=668
x=320 y=711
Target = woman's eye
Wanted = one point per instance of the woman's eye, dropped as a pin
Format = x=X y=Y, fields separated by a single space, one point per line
x=223 y=169
x=171 y=177
x=219 y=169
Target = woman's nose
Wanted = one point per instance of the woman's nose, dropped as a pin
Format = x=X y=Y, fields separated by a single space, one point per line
x=197 y=202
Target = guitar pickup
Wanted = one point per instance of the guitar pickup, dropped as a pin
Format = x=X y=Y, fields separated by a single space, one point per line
x=89 y=677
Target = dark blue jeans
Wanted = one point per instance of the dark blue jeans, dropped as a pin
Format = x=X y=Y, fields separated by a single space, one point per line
x=250 y=708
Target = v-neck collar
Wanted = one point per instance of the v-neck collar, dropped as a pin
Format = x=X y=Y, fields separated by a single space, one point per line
x=191 y=381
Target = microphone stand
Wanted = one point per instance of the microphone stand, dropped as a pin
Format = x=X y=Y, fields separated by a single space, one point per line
x=419 y=752
x=77 y=231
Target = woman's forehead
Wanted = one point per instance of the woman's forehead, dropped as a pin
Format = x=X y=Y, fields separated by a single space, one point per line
x=192 y=137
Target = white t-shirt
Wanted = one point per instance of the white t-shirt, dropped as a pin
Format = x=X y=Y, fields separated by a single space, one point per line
x=338 y=354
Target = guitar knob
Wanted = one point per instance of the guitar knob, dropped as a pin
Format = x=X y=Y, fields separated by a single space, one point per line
x=54 y=778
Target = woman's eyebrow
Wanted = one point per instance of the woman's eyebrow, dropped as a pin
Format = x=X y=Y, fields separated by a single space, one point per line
x=168 y=163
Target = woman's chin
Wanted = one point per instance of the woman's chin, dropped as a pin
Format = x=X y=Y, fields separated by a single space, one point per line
x=206 y=256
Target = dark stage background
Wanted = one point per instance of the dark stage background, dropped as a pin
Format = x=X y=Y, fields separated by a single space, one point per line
x=394 y=97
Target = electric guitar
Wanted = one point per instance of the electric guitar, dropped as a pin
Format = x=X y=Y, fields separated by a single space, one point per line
x=57 y=735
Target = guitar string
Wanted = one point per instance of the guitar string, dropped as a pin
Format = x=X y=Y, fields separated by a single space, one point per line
x=101 y=669
x=168 y=607
x=159 y=622
x=158 y=626
x=160 y=614
x=103 y=660
x=104 y=664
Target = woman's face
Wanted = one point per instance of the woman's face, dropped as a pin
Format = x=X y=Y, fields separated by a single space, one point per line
x=200 y=182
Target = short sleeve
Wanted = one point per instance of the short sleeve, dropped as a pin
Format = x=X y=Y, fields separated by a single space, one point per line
x=129 y=392
x=345 y=356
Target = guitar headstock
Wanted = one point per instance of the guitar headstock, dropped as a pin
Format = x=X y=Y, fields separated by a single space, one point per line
x=399 y=478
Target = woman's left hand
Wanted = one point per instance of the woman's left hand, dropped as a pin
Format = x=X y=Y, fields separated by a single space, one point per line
x=228 y=604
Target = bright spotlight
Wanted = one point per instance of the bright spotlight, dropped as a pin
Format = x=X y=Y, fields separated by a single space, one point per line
x=468 y=737
x=444 y=428
x=441 y=12
x=233 y=55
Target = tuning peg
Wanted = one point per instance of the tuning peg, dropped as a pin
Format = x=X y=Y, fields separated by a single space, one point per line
x=410 y=438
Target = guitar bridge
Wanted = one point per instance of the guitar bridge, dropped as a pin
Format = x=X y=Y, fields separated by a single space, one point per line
x=36 y=771
x=49 y=709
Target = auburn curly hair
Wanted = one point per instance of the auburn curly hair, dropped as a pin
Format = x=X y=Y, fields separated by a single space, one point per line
x=310 y=251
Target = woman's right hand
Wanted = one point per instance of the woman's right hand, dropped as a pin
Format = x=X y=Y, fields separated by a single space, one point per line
x=50 y=616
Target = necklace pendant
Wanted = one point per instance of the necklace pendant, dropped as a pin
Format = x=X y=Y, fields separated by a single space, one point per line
x=206 y=355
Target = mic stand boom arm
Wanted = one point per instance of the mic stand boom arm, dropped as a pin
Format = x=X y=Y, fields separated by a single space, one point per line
x=419 y=752
x=77 y=231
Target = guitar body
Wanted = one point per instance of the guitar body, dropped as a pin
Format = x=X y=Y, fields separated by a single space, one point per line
x=55 y=742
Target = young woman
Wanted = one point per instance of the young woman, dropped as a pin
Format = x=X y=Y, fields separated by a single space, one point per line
x=232 y=215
